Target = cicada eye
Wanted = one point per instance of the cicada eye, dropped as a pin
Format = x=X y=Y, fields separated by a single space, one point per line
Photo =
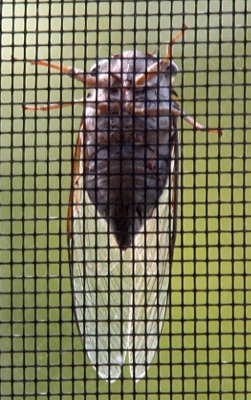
x=172 y=69
x=103 y=66
x=94 y=70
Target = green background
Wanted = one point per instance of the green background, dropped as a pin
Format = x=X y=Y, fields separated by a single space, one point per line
x=207 y=337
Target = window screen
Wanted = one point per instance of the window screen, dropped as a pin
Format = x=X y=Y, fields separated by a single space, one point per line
x=82 y=309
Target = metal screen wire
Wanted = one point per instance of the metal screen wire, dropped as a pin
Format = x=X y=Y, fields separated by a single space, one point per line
x=142 y=316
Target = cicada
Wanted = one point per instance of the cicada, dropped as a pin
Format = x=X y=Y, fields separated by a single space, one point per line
x=123 y=207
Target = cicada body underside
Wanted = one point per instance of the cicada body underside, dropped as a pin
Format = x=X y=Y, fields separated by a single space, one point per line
x=123 y=215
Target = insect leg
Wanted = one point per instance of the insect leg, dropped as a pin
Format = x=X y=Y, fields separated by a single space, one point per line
x=167 y=58
x=52 y=106
x=177 y=112
x=90 y=81
x=159 y=66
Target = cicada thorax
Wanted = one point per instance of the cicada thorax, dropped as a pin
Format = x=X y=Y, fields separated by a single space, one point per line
x=127 y=157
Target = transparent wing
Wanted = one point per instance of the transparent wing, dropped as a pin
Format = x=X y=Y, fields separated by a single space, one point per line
x=113 y=288
x=101 y=281
x=153 y=257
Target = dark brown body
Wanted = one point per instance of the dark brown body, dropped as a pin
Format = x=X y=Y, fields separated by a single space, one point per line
x=127 y=156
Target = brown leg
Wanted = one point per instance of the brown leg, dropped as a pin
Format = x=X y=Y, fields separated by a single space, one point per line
x=155 y=68
x=52 y=106
x=176 y=112
x=78 y=74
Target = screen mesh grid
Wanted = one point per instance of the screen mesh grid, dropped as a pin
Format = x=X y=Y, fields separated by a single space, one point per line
x=204 y=347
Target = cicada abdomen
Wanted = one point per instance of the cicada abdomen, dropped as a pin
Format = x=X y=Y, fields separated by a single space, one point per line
x=123 y=207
